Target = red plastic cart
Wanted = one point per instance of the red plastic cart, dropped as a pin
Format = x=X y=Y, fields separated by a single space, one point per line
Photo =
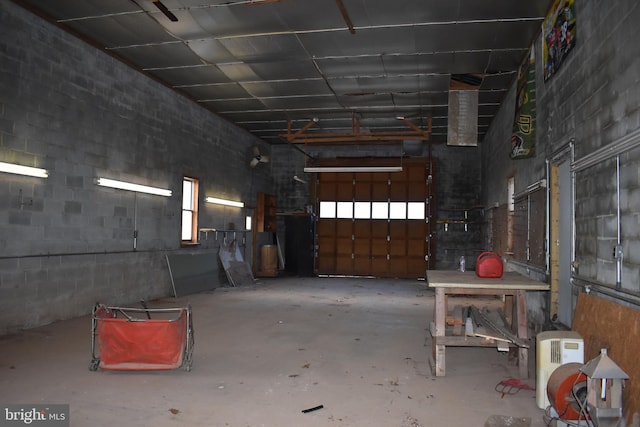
x=132 y=339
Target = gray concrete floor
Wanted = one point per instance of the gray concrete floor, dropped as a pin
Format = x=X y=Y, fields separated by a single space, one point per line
x=263 y=353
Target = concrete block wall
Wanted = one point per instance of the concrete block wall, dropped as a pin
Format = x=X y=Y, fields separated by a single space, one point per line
x=458 y=191
x=288 y=162
x=66 y=243
x=594 y=101
x=457 y=187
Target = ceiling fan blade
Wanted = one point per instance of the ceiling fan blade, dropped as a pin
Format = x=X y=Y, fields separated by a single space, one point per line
x=162 y=8
x=254 y=162
x=256 y=151
x=263 y=159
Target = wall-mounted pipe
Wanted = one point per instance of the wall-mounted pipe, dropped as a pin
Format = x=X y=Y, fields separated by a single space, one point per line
x=618 y=249
x=547 y=226
x=135 y=221
x=589 y=286
x=626 y=143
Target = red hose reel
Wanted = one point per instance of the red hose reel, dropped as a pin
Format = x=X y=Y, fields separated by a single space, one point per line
x=567 y=390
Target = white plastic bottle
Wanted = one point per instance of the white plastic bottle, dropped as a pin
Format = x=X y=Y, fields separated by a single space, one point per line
x=462 y=264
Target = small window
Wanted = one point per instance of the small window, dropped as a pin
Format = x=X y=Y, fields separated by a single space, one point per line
x=379 y=210
x=397 y=210
x=362 y=210
x=189 y=210
x=345 y=210
x=415 y=210
x=327 y=209
x=511 y=189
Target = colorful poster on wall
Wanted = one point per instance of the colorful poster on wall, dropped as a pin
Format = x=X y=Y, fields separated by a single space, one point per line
x=558 y=35
x=523 y=138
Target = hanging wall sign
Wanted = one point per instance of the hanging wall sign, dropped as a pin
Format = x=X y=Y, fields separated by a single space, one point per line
x=558 y=35
x=523 y=138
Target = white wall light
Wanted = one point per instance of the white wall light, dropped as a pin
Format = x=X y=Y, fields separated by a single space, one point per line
x=353 y=169
x=23 y=170
x=122 y=185
x=224 y=202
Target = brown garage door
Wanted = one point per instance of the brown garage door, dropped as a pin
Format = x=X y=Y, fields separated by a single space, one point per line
x=373 y=223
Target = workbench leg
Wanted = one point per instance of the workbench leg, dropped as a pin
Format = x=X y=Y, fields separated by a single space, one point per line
x=523 y=333
x=438 y=330
x=438 y=369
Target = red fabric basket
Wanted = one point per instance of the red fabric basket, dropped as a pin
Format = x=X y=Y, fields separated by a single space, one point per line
x=154 y=344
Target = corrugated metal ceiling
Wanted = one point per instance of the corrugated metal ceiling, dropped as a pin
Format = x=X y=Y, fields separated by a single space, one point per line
x=264 y=63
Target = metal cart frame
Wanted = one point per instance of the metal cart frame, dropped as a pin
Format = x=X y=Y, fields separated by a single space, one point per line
x=125 y=328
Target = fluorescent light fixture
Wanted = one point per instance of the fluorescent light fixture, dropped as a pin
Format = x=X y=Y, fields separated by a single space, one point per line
x=354 y=169
x=23 y=170
x=224 y=202
x=122 y=185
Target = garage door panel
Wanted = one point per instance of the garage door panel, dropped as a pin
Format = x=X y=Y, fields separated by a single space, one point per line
x=379 y=247
x=327 y=191
x=362 y=247
x=344 y=228
x=344 y=266
x=398 y=230
x=326 y=227
x=398 y=192
x=362 y=228
x=380 y=268
x=362 y=266
x=416 y=247
x=344 y=191
x=362 y=190
x=400 y=176
x=326 y=247
x=326 y=265
x=417 y=266
x=416 y=228
x=397 y=248
x=380 y=177
x=344 y=246
x=379 y=191
x=328 y=177
x=398 y=266
x=416 y=193
x=417 y=173
x=379 y=229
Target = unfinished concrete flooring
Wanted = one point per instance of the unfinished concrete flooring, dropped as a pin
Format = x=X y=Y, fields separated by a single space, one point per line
x=264 y=353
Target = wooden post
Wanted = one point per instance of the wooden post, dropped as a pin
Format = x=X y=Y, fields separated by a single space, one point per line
x=523 y=333
x=440 y=313
x=554 y=242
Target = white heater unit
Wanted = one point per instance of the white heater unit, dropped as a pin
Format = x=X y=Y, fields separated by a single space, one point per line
x=554 y=348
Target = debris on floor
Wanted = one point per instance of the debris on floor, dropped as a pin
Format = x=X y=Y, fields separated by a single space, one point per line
x=506 y=421
x=315 y=408
x=486 y=323
x=409 y=421
x=511 y=386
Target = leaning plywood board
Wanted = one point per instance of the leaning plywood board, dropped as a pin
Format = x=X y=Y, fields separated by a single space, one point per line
x=237 y=270
x=605 y=324
x=193 y=272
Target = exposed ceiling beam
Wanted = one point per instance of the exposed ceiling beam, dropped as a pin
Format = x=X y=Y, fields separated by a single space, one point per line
x=355 y=136
x=162 y=8
x=345 y=16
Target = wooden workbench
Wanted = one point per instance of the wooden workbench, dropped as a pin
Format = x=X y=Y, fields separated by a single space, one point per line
x=457 y=283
